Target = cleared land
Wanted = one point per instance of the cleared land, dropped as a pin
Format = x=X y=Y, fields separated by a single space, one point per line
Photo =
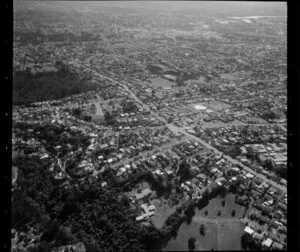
x=160 y=82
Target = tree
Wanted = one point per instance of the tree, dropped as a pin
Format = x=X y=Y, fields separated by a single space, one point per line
x=244 y=241
x=233 y=213
x=77 y=112
x=184 y=170
x=223 y=203
x=87 y=118
x=219 y=213
x=64 y=236
x=202 y=229
x=206 y=212
x=191 y=243
x=270 y=164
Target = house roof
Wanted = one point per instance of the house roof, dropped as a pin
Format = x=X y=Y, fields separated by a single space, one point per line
x=267 y=242
x=277 y=245
x=249 y=230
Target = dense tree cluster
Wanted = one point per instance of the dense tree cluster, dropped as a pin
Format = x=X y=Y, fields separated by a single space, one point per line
x=28 y=88
x=129 y=107
x=38 y=38
x=191 y=243
x=51 y=135
x=184 y=171
x=84 y=212
x=249 y=243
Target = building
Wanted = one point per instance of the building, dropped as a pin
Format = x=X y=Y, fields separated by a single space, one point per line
x=249 y=230
x=277 y=246
x=267 y=243
x=170 y=77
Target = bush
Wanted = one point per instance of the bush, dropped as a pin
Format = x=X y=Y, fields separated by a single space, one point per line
x=202 y=229
x=191 y=243
x=233 y=213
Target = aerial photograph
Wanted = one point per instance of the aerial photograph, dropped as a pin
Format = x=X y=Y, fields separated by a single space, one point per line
x=149 y=126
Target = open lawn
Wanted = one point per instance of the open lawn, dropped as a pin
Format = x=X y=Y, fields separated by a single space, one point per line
x=221 y=232
x=207 y=242
x=216 y=204
x=162 y=212
x=230 y=235
x=160 y=82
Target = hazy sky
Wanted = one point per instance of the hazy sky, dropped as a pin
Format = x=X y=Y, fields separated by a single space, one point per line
x=218 y=7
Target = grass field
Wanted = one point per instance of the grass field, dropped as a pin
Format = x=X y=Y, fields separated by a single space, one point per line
x=216 y=204
x=222 y=232
x=162 y=212
x=230 y=235
x=180 y=243
x=160 y=82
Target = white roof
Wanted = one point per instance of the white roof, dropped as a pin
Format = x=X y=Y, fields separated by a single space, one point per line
x=268 y=242
x=122 y=169
x=249 y=230
x=151 y=207
x=139 y=218
x=200 y=107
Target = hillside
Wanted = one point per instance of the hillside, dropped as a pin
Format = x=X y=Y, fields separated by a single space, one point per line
x=28 y=88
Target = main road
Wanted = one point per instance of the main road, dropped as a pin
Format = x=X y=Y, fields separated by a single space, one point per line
x=180 y=130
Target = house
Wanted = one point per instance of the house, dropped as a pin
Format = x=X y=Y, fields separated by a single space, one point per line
x=267 y=243
x=273 y=224
x=248 y=230
x=258 y=236
x=267 y=210
x=282 y=206
x=243 y=200
x=282 y=230
x=283 y=221
x=140 y=218
x=277 y=246
x=151 y=208
x=255 y=195
x=262 y=219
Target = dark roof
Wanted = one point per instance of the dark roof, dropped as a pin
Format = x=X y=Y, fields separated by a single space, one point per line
x=282 y=206
x=277 y=245
x=244 y=197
